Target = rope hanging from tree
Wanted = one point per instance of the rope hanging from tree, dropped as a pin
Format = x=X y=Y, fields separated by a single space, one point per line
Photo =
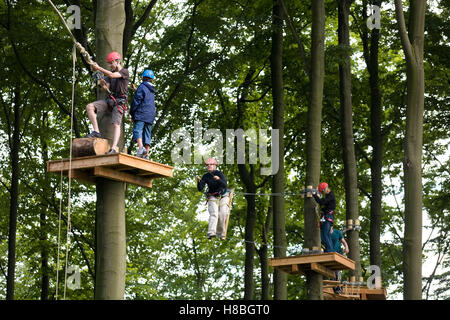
x=88 y=59
x=78 y=45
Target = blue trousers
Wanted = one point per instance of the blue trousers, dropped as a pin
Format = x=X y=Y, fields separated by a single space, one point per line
x=142 y=130
x=326 y=236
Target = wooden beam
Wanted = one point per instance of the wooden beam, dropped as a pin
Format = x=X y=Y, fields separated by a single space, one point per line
x=82 y=163
x=81 y=175
x=122 y=176
x=334 y=261
x=322 y=270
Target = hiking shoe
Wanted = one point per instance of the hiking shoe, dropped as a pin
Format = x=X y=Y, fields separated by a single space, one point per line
x=141 y=152
x=93 y=134
x=337 y=290
x=210 y=235
x=111 y=151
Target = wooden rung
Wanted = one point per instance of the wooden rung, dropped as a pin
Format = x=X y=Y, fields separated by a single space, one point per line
x=331 y=282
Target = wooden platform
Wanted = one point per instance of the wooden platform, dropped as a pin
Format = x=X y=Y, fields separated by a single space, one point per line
x=355 y=292
x=324 y=263
x=120 y=167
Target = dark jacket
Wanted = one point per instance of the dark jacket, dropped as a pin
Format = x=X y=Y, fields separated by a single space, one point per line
x=328 y=203
x=143 y=105
x=215 y=187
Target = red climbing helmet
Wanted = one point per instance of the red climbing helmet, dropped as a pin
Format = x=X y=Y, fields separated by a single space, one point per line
x=211 y=161
x=113 y=56
x=322 y=186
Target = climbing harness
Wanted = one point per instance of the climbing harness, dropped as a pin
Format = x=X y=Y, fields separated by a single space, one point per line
x=120 y=103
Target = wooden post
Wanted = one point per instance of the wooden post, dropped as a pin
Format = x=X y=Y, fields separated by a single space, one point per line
x=230 y=203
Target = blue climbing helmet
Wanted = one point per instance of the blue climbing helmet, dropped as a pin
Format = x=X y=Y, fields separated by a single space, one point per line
x=148 y=74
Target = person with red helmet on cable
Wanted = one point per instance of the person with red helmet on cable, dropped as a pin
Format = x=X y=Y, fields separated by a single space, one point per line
x=115 y=83
x=328 y=204
x=217 y=198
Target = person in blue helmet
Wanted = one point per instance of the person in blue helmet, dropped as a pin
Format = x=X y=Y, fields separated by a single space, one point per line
x=143 y=113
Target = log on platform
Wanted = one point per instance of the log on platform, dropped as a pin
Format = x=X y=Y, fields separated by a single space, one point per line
x=83 y=147
x=324 y=263
x=119 y=167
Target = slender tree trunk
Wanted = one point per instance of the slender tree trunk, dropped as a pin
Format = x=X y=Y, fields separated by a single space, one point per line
x=376 y=165
x=14 y=197
x=279 y=230
x=43 y=219
x=249 y=284
x=350 y=174
x=110 y=224
x=412 y=42
x=263 y=257
x=313 y=141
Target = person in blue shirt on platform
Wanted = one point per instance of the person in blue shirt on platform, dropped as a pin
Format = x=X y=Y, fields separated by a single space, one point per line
x=143 y=112
x=337 y=238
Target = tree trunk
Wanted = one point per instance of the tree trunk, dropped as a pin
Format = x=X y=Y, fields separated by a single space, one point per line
x=376 y=164
x=263 y=256
x=313 y=148
x=14 y=197
x=412 y=42
x=279 y=232
x=110 y=265
x=350 y=174
x=249 y=284
x=43 y=218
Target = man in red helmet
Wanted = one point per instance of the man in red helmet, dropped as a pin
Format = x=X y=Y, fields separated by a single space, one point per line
x=115 y=83
x=217 y=196
x=328 y=204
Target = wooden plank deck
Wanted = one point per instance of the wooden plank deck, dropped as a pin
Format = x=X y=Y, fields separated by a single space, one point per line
x=120 y=167
x=323 y=263
x=362 y=292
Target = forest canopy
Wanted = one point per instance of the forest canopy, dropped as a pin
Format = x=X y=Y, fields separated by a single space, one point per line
x=216 y=68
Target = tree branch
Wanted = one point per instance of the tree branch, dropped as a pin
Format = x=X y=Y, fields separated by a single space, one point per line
x=301 y=48
x=407 y=48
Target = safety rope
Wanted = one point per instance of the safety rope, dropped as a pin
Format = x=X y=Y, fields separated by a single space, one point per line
x=74 y=60
x=59 y=234
x=88 y=59
x=78 y=45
